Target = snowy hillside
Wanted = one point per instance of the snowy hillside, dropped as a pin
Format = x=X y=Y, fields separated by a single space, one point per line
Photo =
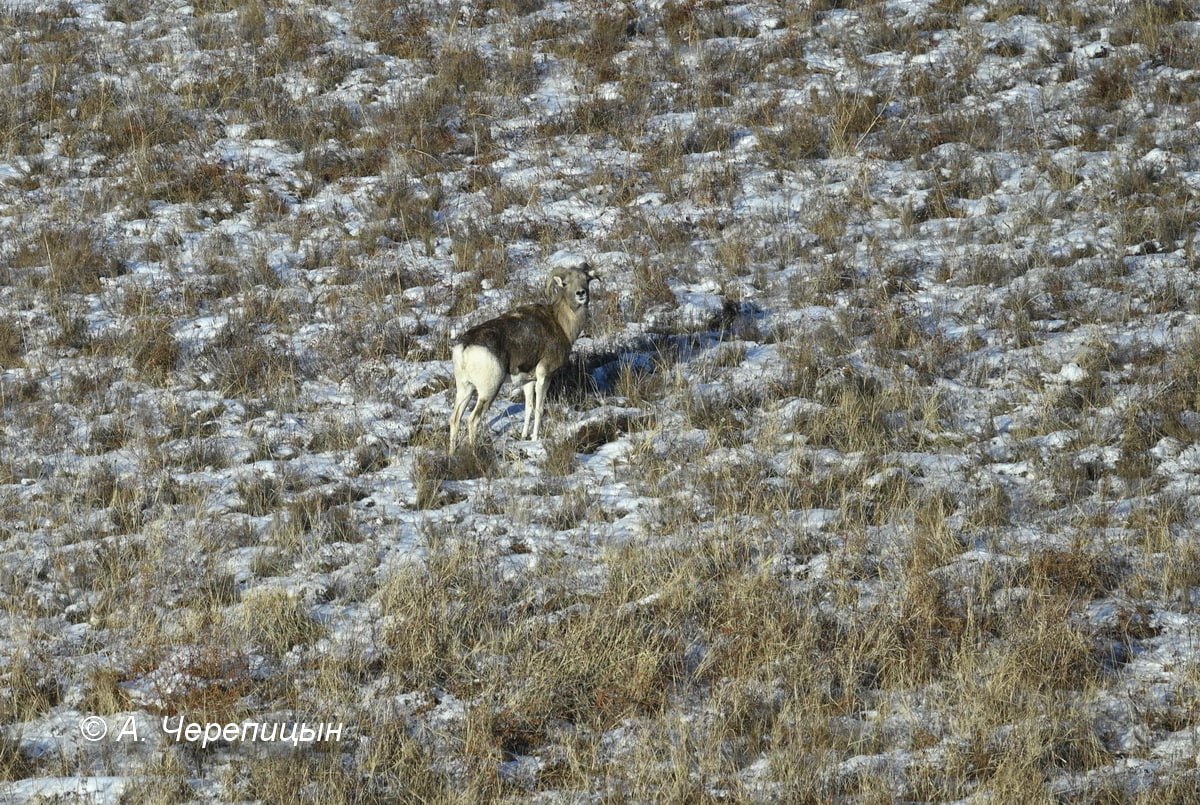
x=873 y=477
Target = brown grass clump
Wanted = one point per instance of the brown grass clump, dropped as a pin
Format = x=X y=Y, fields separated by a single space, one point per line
x=1074 y=572
x=277 y=621
x=403 y=766
x=70 y=260
x=105 y=696
x=1113 y=83
x=798 y=136
x=12 y=343
x=30 y=690
x=440 y=612
x=261 y=494
x=247 y=364
x=14 y=765
x=155 y=352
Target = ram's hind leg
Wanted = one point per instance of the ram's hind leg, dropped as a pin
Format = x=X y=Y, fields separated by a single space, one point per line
x=481 y=406
x=527 y=388
x=462 y=395
x=487 y=375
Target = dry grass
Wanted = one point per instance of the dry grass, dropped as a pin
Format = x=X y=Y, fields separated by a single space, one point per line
x=245 y=363
x=854 y=553
x=276 y=621
x=12 y=344
x=31 y=689
x=14 y=765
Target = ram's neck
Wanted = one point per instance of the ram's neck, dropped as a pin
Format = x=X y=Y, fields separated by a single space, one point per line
x=570 y=320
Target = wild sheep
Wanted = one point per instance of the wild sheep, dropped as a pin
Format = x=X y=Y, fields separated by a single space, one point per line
x=526 y=344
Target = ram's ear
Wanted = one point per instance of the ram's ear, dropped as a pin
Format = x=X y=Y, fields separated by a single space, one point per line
x=556 y=281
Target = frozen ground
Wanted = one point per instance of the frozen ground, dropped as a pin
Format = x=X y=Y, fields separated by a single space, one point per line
x=873 y=477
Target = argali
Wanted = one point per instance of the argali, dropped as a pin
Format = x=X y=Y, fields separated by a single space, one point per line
x=527 y=344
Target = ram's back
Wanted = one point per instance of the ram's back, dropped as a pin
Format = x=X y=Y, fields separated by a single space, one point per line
x=521 y=338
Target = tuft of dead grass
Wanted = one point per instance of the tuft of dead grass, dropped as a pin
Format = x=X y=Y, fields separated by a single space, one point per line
x=276 y=621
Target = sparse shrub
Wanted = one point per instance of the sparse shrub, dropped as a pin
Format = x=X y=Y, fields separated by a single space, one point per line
x=687 y=22
x=829 y=224
x=1043 y=650
x=403 y=33
x=72 y=328
x=1182 y=573
x=934 y=541
x=181 y=178
x=707 y=134
x=679 y=22
x=603 y=116
x=975 y=127
x=466 y=294
x=371 y=456
x=1141 y=431
x=483 y=253
x=335 y=434
x=441 y=612
x=650 y=287
x=606 y=36
x=638 y=382
x=589 y=668
x=99 y=488
x=166 y=780
x=991 y=508
x=462 y=70
x=405 y=211
x=857 y=418
x=267 y=307
x=895 y=329
x=594 y=435
x=324 y=512
x=852 y=117
x=722 y=419
x=1157 y=521
x=298 y=31
x=802 y=366
x=572 y=509
x=432 y=469
x=340 y=526
x=1177 y=47
x=1149 y=21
